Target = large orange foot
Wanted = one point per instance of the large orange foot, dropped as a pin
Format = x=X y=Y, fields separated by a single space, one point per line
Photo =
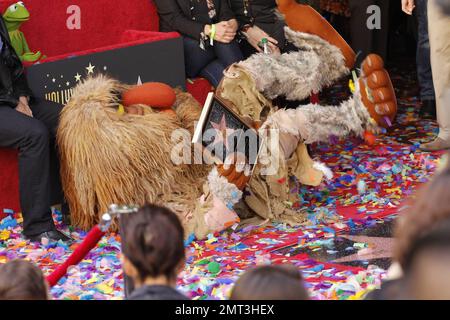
x=377 y=91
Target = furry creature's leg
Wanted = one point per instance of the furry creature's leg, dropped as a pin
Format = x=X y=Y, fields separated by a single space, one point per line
x=315 y=123
x=373 y=103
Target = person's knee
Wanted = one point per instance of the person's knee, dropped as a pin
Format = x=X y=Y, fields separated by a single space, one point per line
x=229 y=53
x=37 y=134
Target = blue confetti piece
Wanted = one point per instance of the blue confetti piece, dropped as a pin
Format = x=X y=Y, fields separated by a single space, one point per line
x=8 y=223
x=189 y=240
x=350 y=223
x=225 y=281
x=318 y=268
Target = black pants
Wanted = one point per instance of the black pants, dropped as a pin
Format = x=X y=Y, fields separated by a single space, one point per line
x=363 y=39
x=38 y=162
x=424 y=73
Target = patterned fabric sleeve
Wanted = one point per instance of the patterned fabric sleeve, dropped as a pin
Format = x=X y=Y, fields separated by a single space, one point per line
x=211 y=9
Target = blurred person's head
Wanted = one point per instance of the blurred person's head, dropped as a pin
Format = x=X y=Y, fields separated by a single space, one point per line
x=152 y=246
x=283 y=282
x=22 y=280
x=423 y=240
x=430 y=208
x=445 y=5
x=427 y=265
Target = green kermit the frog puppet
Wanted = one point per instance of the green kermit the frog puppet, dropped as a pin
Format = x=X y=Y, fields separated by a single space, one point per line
x=14 y=17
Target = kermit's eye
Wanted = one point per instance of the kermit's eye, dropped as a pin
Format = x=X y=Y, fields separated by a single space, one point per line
x=21 y=4
x=13 y=8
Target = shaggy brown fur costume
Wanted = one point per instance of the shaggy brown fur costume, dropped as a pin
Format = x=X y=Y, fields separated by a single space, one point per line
x=111 y=158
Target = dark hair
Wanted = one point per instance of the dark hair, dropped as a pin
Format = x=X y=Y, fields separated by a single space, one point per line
x=430 y=208
x=270 y=283
x=22 y=280
x=437 y=237
x=152 y=239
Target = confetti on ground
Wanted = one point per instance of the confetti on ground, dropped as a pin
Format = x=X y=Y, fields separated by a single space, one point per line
x=369 y=187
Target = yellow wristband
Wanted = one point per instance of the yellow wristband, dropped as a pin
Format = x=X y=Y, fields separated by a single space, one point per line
x=213 y=34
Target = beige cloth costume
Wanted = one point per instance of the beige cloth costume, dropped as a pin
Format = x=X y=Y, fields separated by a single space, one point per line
x=439 y=30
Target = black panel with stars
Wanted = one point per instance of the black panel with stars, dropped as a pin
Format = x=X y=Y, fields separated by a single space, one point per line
x=161 y=61
x=224 y=133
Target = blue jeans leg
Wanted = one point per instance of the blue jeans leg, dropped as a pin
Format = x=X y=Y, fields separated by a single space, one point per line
x=424 y=72
x=228 y=53
x=210 y=63
x=196 y=59
x=213 y=72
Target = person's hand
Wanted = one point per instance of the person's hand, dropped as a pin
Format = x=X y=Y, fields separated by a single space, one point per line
x=24 y=100
x=225 y=32
x=24 y=108
x=233 y=25
x=408 y=6
x=254 y=36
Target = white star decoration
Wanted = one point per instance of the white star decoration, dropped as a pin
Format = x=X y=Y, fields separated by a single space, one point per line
x=90 y=68
x=78 y=77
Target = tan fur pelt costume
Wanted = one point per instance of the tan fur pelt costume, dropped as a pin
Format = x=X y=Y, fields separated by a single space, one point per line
x=297 y=74
x=111 y=158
